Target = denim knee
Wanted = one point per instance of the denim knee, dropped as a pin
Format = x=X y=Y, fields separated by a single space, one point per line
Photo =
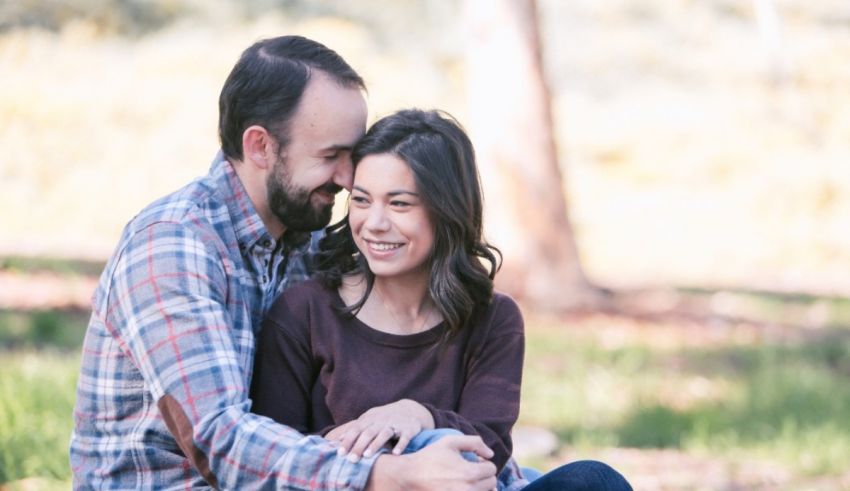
x=582 y=475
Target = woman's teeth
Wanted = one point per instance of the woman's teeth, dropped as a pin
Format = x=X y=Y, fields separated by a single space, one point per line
x=383 y=246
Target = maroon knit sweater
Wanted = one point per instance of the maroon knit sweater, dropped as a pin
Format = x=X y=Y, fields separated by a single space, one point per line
x=316 y=368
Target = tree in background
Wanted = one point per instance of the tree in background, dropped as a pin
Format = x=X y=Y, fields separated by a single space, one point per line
x=510 y=122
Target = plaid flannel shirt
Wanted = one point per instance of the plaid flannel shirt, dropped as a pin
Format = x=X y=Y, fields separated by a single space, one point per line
x=162 y=398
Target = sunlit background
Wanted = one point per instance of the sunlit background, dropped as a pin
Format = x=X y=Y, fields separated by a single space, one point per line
x=705 y=149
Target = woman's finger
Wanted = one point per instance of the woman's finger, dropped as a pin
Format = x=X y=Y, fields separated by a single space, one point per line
x=386 y=434
x=363 y=440
x=404 y=438
x=347 y=439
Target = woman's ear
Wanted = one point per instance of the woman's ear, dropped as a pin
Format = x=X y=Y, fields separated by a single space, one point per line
x=258 y=147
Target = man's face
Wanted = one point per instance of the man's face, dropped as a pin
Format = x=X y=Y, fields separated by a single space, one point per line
x=295 y=206
x=316 y=164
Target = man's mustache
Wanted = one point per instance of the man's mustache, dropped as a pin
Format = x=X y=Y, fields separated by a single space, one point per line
x=329 y=188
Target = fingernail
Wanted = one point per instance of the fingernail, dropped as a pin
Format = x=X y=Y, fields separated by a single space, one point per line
x=353 y=458
x=367 y=453
x=341 y=452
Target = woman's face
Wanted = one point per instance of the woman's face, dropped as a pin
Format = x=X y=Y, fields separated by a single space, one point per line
x=388 y=220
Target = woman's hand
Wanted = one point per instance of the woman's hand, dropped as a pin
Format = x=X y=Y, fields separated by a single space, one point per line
x=400 y=420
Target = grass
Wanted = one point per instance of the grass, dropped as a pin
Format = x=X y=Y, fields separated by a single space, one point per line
x=780 y=402
x=783 y=402
x=36 y=400
x=42 y=328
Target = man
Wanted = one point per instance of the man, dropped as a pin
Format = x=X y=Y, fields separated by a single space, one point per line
x=162 y=396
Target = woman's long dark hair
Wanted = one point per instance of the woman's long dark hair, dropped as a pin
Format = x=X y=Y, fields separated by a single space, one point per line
x=442 y=160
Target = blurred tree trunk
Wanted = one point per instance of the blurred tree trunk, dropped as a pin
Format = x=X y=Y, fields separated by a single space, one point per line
x=770 y=34
x=510 y=122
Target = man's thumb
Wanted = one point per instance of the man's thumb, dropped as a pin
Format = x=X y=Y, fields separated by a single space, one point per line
x=467 y=443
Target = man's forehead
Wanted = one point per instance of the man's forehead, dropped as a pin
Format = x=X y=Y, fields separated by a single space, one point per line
x=330 y=117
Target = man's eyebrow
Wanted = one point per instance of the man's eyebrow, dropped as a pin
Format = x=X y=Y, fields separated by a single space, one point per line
x=336 y=148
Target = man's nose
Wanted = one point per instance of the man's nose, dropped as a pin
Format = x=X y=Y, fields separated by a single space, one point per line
x=344 y=173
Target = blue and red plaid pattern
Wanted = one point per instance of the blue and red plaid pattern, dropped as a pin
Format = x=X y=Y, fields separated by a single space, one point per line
x=173 y=325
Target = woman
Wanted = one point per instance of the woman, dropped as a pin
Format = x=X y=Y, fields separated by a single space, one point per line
x=401 y=333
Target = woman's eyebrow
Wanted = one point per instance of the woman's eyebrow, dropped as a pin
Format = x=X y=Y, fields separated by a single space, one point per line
x=395 y=192
x=402 y=191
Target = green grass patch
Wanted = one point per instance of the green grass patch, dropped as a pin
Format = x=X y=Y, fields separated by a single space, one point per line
x=29 y=329
x=37 y=391
x=787 y=403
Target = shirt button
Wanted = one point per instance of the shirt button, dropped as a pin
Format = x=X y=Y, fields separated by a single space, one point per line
x=266 y=243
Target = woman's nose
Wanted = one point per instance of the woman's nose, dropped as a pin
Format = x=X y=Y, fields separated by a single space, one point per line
x=377 y=219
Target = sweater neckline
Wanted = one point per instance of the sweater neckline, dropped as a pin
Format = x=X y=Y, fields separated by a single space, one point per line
x=426 y=337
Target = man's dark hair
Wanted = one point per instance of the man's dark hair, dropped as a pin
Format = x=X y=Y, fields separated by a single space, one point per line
x=266 y=84
x=442 y=160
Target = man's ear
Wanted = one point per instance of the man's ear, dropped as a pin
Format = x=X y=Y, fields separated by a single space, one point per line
x=258 y=147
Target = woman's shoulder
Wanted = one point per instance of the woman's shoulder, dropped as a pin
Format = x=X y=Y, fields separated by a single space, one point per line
x=502 y=315
x=504 y=303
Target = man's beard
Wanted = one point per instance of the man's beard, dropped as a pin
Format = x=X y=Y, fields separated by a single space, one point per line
x=292 y=205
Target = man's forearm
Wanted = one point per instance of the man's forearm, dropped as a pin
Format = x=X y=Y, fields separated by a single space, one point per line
x=385 y=472
x=437 y=467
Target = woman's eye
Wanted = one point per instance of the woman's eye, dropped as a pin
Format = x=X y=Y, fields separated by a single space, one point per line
x=332 y=156
x=400 y=204
x=360 y=200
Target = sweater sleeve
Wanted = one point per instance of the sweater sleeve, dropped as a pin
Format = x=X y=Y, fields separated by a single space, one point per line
x=283 y=367
x=489 y=403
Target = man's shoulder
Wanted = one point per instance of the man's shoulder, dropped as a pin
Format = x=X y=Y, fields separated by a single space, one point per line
x=193 y=214
x=196 y=203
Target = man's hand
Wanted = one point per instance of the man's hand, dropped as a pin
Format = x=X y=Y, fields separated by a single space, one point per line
x=400 y=420
x=438 y=466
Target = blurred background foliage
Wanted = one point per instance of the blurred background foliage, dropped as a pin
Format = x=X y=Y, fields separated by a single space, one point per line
x=705 y=164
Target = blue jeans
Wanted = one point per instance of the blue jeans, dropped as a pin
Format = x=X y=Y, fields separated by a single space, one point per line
x=582 y=475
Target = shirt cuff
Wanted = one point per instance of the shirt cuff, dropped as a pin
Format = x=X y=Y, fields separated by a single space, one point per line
x=355 y=475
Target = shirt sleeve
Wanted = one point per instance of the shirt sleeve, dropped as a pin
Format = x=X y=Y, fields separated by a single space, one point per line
x=283 y=380
x=489 y=403
x=167 y=309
